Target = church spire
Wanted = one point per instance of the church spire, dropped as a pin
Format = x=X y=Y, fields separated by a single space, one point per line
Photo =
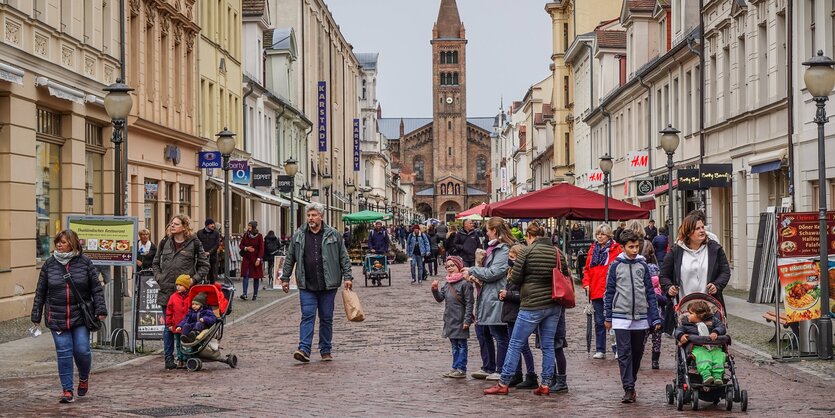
x=449 y=23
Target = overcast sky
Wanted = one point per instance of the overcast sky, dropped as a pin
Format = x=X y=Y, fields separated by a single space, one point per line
x=508 y=49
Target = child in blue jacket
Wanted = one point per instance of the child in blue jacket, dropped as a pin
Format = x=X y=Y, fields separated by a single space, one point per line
x=198 y=318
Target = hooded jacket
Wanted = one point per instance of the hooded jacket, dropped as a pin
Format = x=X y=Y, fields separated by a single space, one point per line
x=493 y=276
x=629 y=292
x=336 y=264
x=718 y=269
x=55 y=296
x=177 y=309
x=170 y=263
x=205 y=313
x=595 y=277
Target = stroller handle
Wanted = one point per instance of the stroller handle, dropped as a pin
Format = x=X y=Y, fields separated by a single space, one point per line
x=705 y=340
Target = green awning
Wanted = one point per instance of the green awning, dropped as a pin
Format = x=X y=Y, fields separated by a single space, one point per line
x=365 y=216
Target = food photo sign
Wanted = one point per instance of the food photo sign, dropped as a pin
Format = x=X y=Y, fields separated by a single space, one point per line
x=798 y=235
x=106 y=240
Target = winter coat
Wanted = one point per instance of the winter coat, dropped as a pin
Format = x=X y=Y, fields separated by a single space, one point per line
x=147 y=259
x=465 y=245
x=336 y=264
x=512 y=299
x=493 y=276
x=209 y=240
x=168 y=264
x=532 y=271
x=441 y=231
x=248 y=267
x=421 y=240
x=456 y=313
x=434 y=239
x=378 y=241
x=192 y=317
x=660 y=244
x=271 y=246
x=650 y=233
x=449 y=245
x=691 y=329
x=54 y=295
x=595 y=277
x=578 y=234
x=629 y=292
x=718 y=269
x=176 y=309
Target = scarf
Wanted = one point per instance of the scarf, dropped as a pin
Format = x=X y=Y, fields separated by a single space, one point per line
x=600 y=254
x=251 y=235
x=64 y=258
x=144 y=248
x=454 y=278
x=490 y=247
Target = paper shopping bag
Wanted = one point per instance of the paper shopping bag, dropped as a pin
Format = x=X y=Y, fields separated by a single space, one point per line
x=353 y=309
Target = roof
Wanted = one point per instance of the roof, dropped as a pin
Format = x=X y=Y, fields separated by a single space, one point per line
x=449 y=21
x=426 y=192
x=641 y=5
x=253 y=7
x=279 y=38
x=390 y=127
x=483 y=123
x=368 y=60
x=472 y=191
x=611 y=39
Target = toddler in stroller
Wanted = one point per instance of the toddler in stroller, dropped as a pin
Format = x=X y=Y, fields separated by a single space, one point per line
x=204 y=343
x=197 y=319
x=710 y=360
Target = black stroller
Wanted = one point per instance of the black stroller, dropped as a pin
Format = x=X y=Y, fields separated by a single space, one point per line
x=206 y=347
x=688 y=386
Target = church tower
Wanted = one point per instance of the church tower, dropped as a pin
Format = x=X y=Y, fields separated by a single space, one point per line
x=449 y=94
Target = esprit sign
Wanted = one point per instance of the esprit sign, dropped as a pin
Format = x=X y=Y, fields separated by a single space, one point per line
x=637 y=161
x=262 y=177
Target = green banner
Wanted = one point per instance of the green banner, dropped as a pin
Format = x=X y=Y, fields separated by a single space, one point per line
x=106 y=240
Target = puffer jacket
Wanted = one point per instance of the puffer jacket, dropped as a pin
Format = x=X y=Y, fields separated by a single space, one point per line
x=494 y=278
x=168 y=264
x=205 y=313
x=595 y=277
x=176 y=309
x=629 y=291
x=532 y=271
x=54 y=295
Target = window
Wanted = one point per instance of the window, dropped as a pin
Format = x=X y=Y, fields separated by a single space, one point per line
x=47 y=197
x=481 y=168
x=455 y=57
x=449 y=126
x=762 y=58
x=149 y=62
x=565 y=91
x=169 y=201
x=363 y=89
x=419 y=169
x=94 y=170
x=454 y=79
x=742 y=75
x=49 y=123
x=367 y=173
x=185 y=199
x=567 y=144
x=810 y=21
x=164 y=71
x=443 y=57
x=688 y=105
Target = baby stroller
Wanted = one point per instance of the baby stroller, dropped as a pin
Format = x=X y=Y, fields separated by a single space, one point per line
x=687 y=386
x=206 y=347
x=376 y=275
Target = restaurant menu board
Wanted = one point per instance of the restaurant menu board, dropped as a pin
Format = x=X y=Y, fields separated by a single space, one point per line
x=106 y=240
x=798 y=235
x=150 y=318
x=801 y=291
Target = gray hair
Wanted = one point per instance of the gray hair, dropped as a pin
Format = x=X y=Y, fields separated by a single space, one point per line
x=318 y=207
x=604 y=229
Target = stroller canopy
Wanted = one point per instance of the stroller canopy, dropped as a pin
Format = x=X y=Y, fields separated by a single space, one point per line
x=214 y=295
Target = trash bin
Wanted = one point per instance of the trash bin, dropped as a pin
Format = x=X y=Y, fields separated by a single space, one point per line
x=808 y=336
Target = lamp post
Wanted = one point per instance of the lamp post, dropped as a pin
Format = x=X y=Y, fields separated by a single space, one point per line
x=819 y=78
x=226 y=145
x=117 y=104
x=327 y=183
x=350 y=188
x=570 y=177
x=669 y=142
x=606 y=167
x=291 y=167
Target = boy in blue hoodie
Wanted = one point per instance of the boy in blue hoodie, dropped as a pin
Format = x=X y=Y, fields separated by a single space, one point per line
x=630 y=308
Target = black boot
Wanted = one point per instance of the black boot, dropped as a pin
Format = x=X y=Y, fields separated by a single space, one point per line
x=531 y=382
x=515 y=380
x=559 y=384
x=655 y=358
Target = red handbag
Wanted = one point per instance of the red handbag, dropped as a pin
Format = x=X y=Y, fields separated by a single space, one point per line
x=562 y=287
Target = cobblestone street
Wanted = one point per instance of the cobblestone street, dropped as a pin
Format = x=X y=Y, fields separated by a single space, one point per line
x=389 y=365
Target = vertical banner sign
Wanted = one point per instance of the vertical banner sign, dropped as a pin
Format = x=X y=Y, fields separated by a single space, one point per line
x=504 y=179
x=637 y=161
x=357 y=145
x=322 y=100
x=240 y=171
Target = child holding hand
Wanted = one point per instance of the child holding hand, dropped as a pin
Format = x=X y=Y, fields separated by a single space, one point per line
x=458 y=313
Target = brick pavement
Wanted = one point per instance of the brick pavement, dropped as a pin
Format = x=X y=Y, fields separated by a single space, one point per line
x=389 y=365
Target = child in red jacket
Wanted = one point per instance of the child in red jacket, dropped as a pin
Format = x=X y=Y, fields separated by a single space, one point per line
x=175 y=311
x=601 y=254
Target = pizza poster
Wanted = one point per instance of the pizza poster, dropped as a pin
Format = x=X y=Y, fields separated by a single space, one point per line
x=106 y=240
x=800 y=287
x=798 y=234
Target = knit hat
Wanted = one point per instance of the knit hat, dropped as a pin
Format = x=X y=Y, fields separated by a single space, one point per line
x=209 y=221
x=416 y=227
x=458 y=261
x=184 y=280
x=200 y=298
x=254 y=224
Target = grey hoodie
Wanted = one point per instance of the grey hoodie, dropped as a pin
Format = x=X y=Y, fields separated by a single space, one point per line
x=629 y=292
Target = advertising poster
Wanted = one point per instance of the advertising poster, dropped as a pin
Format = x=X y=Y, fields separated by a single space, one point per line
x=798 y=234
x=106 y=240
x=800 y=286
x=240 y=172
x=150 y=321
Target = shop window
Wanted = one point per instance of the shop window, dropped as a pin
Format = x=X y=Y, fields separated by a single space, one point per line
x=94 y=169
x=169 y=202
x=47 y=197
x=151 y=212
x=185 y=199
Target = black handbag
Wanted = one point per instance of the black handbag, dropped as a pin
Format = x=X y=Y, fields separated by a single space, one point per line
x=88 y=311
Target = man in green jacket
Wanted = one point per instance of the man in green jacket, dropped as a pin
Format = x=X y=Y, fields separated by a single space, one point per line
x=318 y=254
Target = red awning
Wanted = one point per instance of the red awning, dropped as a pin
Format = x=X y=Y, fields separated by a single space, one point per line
x=477 y=210
x=564 y=201
x=648 y=204
x=663 y=189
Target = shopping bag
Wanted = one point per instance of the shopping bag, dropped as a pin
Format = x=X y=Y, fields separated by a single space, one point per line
x=353 y=309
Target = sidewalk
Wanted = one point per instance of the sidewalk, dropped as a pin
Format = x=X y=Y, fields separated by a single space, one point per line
x=28 y=357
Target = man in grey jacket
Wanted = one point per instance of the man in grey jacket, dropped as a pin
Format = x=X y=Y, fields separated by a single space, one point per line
x=322 y=265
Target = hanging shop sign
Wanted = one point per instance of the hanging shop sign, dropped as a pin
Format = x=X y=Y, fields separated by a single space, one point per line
x=240 y=171
x=688 y=179
x=595 y=177
x=504 y=182
x=715 y=175
x=285 y=184
x=357 y=150
x=106 y=240
x=322 y=115
x=798 y=234
x=209 y=159
x=262 y=177
x=637 y=161
x=645 y=186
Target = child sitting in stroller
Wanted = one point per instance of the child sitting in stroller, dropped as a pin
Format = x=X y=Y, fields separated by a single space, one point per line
x=701 y=321
x=377 y=273
x=199 y=318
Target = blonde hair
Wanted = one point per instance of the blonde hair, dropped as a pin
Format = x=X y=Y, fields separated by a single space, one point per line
x=516 y=249
x=144 y=231
x=636 y=227
x=604 y=229
x=186 y=221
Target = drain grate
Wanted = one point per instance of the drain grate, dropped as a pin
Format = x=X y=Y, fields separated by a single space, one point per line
x=178 y=411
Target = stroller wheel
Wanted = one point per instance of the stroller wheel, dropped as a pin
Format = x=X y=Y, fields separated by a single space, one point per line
x=194 y=364
x=680 y=399
x=695 y=399
x=729 y=398
x=744 y=404
x=671 y=394
x=232 y=361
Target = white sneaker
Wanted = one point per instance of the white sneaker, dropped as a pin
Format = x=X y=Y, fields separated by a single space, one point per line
x=599 y=355
x=493 y=376
x=481 y=374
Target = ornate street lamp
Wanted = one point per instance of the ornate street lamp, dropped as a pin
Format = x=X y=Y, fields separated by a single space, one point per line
x=570 y=177
x=350 y=188
x=669 y=142
x=117 y=104
x=226 y=146
x=291 y=167
x=606 y=167
x=327 y=183
x=820 y=79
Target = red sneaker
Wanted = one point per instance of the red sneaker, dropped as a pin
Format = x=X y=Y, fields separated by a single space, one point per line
x=66 y=397
x=499 y=389
x=83 y=387
x=543 y=390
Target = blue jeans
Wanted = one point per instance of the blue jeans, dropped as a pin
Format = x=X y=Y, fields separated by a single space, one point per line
x=486 y=348
x=599 y=328
x=168 y=344
x=417 y=264
x=526 y=322
x=69 y=345
x=311 y=302
x=527 y=355
x=499 y=333
x=256 y=284
x=459 y=353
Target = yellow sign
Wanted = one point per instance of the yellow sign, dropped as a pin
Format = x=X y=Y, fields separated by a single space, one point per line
x=106 y=240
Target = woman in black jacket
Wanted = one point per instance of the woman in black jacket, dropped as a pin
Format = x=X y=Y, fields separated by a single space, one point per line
x=145 y=250
x=271 y=246
x=56 y=295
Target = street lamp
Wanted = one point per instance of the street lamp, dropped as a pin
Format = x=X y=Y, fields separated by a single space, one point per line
x=606 y=167
x=117 y=104
x=327 y=182
x=350 y=188
x=570 y=177
x=307 y=189
x=226 y=145
x=820 y=79
x=669 y=142
x=291 y=167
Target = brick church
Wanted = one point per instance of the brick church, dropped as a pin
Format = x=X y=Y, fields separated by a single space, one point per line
x=446 y=157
